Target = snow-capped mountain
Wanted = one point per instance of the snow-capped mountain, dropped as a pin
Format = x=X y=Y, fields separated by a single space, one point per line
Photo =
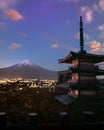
x=25 y=63
x=26 y=69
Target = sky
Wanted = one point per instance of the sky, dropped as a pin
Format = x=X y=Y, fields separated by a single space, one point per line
x=44 y=31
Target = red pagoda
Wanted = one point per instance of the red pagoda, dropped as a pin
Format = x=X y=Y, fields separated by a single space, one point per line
x=80 y=79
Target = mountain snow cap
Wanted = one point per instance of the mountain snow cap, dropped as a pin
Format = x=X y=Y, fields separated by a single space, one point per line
x=25 y=63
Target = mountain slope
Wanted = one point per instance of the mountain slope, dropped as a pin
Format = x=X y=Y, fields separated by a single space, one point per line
x=27 y=70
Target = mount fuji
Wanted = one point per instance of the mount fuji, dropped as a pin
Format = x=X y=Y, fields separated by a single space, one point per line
x=27 y=70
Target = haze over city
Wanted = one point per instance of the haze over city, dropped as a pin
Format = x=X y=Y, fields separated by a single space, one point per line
x=43 y=31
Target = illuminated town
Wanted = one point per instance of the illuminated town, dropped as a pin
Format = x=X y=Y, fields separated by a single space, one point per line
x=19 y=84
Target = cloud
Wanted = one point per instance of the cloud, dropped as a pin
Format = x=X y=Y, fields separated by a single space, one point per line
x=95 y=7
x=55 y=45
x=95 y=46
x=14 y=46
x=101 y=4
x=87 y=12
x=13 y=14
x=96 y=50
x=101 y=27
x=5 y=4
x=5 y=7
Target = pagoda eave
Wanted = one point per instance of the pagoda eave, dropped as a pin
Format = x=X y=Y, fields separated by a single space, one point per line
x=73 y=55
x=67 y=59
x=64 y=72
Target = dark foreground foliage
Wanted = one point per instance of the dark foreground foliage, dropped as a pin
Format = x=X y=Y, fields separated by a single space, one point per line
x=19 y=103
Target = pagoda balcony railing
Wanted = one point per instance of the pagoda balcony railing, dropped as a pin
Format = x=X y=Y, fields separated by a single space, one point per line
x=86 y=67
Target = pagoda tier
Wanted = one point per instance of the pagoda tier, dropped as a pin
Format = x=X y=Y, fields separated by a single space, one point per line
x=79 y=74
x=79 y=69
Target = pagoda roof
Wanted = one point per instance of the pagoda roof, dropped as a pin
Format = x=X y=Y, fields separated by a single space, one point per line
x=96 y=58
x=66 y=99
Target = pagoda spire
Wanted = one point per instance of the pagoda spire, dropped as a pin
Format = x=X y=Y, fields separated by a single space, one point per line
x=81 y=36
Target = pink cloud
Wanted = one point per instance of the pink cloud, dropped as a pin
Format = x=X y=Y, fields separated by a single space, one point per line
x=14 y=46
x=95 y=46
x=101 y=4
x=88 y=13
x=13 y=14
